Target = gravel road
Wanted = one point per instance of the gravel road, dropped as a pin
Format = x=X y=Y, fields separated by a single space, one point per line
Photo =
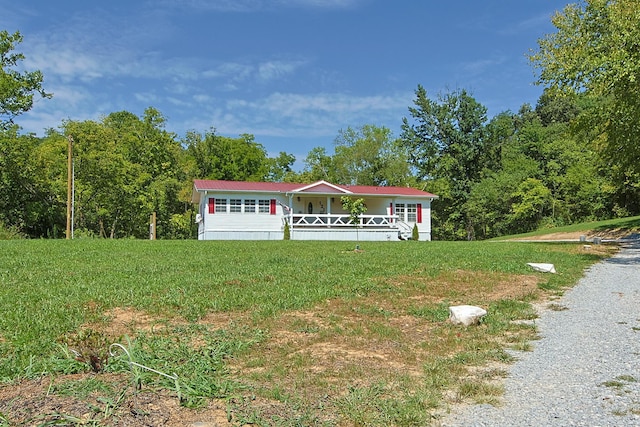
x=585 y=371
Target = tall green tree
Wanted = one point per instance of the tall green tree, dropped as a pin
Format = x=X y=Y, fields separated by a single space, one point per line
x=319 y=165
x=529 y=202
x=17 y=89
x=160 y=184
x=280 y=169
x=32 y=199
x=105 y=181
x=369 y=155
x=126 y=168
x=447 y=146
x=213 y=156
x=366 y=155
x=596 y=50
x=446 y=138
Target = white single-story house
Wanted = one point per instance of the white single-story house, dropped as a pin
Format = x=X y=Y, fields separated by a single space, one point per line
x=237 y=210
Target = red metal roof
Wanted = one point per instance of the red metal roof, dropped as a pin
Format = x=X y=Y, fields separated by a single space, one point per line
x=317 y=187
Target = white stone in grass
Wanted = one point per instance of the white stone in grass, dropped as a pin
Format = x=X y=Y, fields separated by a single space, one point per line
x=466 y=314
x=545 y=268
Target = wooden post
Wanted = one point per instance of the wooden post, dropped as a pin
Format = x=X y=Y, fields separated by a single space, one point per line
x=69 y=183
x=152 y=227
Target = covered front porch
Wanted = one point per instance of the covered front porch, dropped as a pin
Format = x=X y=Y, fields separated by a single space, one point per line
x=340 y=227
x=312 y=216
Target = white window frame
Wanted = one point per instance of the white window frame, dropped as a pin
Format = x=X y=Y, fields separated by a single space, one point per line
x=220 y=206
x=235 y=205
x=412 y=212
x=250 y=206
x=407 y=212
x=264 y=206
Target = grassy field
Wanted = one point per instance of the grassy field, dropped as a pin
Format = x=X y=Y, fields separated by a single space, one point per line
x=611 y=227
x=269 y=333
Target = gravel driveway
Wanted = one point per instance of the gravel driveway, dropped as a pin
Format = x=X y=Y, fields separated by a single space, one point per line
x=585 y=371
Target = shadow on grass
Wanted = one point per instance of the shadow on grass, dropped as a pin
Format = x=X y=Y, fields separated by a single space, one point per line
x=632 y=224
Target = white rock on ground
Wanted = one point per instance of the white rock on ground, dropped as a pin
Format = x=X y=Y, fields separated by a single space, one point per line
x=545 y=268
x=466 y=314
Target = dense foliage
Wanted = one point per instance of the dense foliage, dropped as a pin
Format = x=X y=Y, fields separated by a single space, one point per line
x=596 y=50
x=571 y=158
x=125 y=168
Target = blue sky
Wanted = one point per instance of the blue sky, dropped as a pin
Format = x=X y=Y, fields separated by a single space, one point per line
x=290 y=72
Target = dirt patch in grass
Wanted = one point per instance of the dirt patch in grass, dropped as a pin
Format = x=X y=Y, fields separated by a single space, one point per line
x=223 y=320
x=343 y=344
x=311 y=362
x=43 y=402
x=120 y=321
x=463 y=287
x=117 y=400
x=129 y=321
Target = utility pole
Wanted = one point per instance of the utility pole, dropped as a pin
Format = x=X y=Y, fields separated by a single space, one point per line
x=69 y=184
x=152 y=226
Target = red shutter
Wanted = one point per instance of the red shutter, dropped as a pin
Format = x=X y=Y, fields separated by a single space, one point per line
x=391 y=208
x=419 y=209
x=272 y=207
x=212 y=205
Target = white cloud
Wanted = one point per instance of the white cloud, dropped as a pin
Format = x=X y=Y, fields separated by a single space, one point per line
x=93 y=43
x=178 y=102
x=149 y=98
x=232 y=70
x=299 y=115
x=202 y=99
x=63 y=63
x=235 y=72
x=482 y=65
x=67 y=94
x=272 y=70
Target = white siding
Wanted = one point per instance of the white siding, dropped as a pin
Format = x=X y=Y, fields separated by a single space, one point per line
x=226 y=225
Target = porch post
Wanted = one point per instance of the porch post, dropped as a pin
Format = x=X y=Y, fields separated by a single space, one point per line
x=393 y=221
x=290 y=212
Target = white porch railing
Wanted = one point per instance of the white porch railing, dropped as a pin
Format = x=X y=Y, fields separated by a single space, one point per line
x=341 y=220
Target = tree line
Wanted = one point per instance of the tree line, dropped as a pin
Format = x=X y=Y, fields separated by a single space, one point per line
x=572 y=157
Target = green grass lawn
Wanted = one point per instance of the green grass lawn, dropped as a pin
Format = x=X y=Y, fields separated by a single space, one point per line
x=630 y=224
x=57 y=299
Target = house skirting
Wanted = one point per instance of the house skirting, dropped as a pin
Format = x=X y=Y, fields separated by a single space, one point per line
x=345 y=235
x=241 y=235
x=333 y=235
